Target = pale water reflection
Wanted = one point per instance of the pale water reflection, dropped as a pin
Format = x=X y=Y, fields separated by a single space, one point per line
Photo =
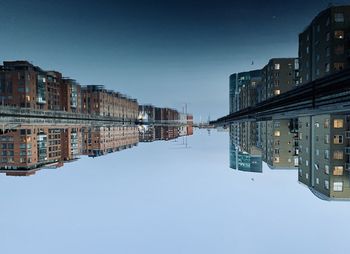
x=165 y=198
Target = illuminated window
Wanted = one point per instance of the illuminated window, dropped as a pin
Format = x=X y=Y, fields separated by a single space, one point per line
x=338 y=155
x=338 y=139
x=338 y=186
x=338 y=123
x=277 y=92
x=339 y=34
x=277 y=133
x=338 y=66
x=277 y=66
x=277 y=159
x=338 y=170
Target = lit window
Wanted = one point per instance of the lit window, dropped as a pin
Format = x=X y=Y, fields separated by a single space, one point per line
x=339 y=17
x=338 y=155
x=338 y=139
x=277 y=66
x=277 y=159
x=277 y=133
x=338 y=66
x=338 y=186
x=339 y=34
x=277 y=92
x=338 y=170
x=338 y=123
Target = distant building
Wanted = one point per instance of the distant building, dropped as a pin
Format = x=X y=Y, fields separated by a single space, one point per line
x=323 y=45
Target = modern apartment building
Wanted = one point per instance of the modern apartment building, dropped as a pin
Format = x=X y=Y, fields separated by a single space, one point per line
x=279 y=76
x=324 y=143
x=324 y=45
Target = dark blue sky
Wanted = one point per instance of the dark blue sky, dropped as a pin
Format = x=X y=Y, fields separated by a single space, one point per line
x=163 y=52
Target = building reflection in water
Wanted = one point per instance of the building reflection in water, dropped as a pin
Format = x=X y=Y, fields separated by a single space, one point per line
x=26 y=148
x=318 y=146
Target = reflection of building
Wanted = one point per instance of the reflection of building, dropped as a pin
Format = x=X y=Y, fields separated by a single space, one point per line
x=323 y=45
x=241 y=159
x=278 y=144
x=324 y=155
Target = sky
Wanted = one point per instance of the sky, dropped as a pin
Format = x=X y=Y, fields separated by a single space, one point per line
x=167 y=53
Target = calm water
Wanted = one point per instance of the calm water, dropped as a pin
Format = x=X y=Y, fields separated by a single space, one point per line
x=161 y=197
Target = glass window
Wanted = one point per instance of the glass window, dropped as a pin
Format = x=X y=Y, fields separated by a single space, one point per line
x=277 y=92
x=339 y=17
x=338 y=170
x=326 y=123
x=277 y=133
x=338 y=155
x=338 y=139
x=339 y=34
x=338 y=123
x=338 y=186
x=326 y=169
x=338 y=66
x=326 y=139
x=326 y=184
x=339 y=49
x=277 y=66
x=327 y=67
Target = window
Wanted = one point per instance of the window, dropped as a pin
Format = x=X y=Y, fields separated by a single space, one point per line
x=326 y=184
x=277 y=92
x=338 y=170
x=338 y=186
x=338 y=139
x=277 y=159
x=339 y=50
x=326 y=169
x=277 y=66
x=307 y=50
x=326 y=139
x=328 y=52
x=339 y=17
x=306 y=163
x=326 y=123
x=338 y=155
x=277 y=133
x=317 y=181
x=327 y=36
x=326 y=154
x=338 y=66
x=339 y=34
x=317 y=152
x=327 y=67
x=338 y=123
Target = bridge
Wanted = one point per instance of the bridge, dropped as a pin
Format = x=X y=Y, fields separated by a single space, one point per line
x=330 y=94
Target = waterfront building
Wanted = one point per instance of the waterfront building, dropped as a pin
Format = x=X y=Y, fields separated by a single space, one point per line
x=243 y=92
x=22 y=85
x=323 y=45
x=96 y=100
x=70 y=95
x=279 y=76
x=324 y=144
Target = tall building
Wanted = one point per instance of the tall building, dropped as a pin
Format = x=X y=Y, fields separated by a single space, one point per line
x=23 y=85
x=279 y=76
x=243 y=83
x=323 y=45
x=324 y=143
x=70 y=95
